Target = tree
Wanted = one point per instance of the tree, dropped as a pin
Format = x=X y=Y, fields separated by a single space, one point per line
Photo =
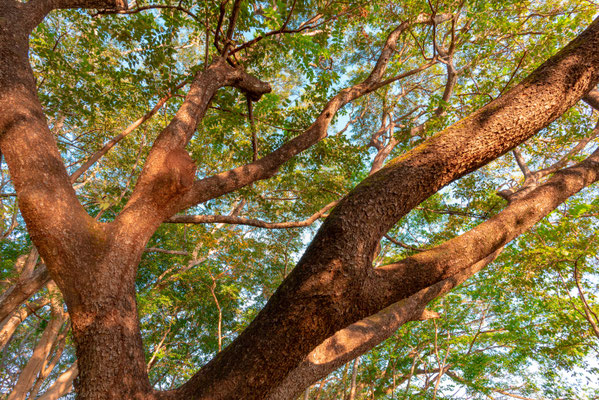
x=334 y=305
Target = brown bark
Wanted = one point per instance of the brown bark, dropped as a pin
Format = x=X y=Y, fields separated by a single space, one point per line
x=333 y=284
x=512 y=221
x=264 y=168
x=363 y=335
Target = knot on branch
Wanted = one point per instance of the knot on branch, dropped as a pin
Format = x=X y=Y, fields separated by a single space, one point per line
x=252 y=87
x=120 y=5
x=236 y=77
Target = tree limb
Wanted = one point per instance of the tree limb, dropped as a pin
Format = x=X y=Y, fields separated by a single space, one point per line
x=360 y=337
x=234 y=220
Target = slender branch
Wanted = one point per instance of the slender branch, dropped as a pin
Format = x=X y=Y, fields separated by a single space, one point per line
x=231 y=28
x=14 y=296
x=229 y=219
x=221 y=16
x=134 y=125
x=153 y=7
x=531 y=179
x=282 y=30
x=165 y=251
x=10 y=324
x=588 y=311
x=62 y=385
x=521 y=163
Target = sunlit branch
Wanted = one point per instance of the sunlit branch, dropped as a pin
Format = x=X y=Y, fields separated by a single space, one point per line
x=361 y=336
x=153 y=7
x=532 y=179
x=233 y=220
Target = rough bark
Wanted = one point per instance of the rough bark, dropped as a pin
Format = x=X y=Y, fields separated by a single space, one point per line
x=333 y=284
x=363 y=335
x=483 y=243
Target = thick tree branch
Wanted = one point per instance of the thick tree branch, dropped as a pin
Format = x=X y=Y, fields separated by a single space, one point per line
x=443 y=261
x=360 y=337
x=169 y=171
x=36 y=10
x=488 y=241
x=334 y=285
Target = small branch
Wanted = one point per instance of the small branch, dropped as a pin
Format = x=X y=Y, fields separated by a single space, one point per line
x=14 y=296
x=229 y=219
x=521 y=163
x=588 y=311
x=402 y=244
x=253 y=129
x=152 y=7
x=219 y=24
x=111 y=143
x=532 y=179
x=231 y=28
x=165 y=251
